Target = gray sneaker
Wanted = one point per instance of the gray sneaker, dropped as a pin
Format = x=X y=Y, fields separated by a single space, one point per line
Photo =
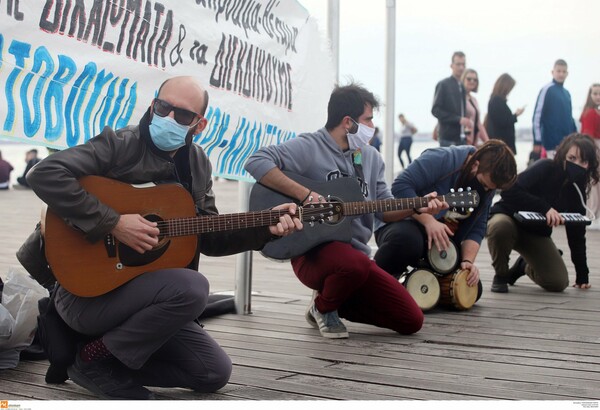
x=329 y=324
x=307 y=315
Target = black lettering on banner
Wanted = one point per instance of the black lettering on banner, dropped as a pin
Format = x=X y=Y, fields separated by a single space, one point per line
x=249 y=70
x=142 y=33
x=159 y=10
x=250 y=16
x=127 y=22
x=198 y=52
x=12 y=9
x=94 y=21
x=135 y=7
x=177 y=50
x=163 y=40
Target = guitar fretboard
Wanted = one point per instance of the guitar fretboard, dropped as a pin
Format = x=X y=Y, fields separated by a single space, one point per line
x=384 y=205
x=215 y=223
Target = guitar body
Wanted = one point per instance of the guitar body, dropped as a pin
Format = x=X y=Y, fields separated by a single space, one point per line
x=339 y=190
x=92 y=269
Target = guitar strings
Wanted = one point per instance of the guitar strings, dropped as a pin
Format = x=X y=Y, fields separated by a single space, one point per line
x=309 y=213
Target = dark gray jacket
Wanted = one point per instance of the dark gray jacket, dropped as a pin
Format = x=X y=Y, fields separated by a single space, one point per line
x=128 y=155
x=448 y=107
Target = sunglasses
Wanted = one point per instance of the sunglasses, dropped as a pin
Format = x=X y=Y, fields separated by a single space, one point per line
x=472 y=79
x=182 y=116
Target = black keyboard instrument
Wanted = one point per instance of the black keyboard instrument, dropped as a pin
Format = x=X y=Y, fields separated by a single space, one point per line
x=530 y=217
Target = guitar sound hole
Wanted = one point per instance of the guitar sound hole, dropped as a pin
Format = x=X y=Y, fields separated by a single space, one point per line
x=130 y=257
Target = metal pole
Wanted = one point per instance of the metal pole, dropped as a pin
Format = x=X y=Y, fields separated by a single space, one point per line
x=243 y=266
x=390 y=87
x=333 y=31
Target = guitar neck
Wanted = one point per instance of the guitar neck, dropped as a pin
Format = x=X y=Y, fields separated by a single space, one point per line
x=384 y=205
x=216 y=223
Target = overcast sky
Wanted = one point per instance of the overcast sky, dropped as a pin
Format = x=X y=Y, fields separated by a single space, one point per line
x=520 y=37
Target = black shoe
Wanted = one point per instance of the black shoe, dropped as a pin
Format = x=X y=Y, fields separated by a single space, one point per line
x=108 y=379
x=499 y=285
x=517 y=270
x=31 y=256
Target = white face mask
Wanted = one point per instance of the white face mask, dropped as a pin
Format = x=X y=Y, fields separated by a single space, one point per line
x=363 y=135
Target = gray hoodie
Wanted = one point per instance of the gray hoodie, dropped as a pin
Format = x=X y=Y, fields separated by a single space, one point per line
x=318 y=157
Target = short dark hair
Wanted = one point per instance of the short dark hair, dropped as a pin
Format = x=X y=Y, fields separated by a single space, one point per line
x=560 y=61
x=348 y=100
x=457 y=54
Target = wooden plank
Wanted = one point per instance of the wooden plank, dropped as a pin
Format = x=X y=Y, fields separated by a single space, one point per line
x=526 y=345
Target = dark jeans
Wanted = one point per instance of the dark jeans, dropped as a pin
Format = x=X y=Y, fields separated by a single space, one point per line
x=351 y=283
x=22 y=181
x=148 y=324
x=400 y=244
x=405 y=144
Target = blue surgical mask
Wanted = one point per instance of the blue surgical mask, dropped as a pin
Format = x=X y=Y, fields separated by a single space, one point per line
x=167 y=134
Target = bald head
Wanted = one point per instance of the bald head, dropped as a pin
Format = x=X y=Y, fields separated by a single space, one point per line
x=184 y=92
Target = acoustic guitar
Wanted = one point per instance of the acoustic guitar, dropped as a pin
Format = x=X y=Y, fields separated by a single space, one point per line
x=93 y=269
x=346 y=198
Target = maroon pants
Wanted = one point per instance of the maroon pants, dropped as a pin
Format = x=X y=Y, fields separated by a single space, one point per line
x=351 y=283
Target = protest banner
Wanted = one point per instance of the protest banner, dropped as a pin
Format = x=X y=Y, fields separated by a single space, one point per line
x=68 y=68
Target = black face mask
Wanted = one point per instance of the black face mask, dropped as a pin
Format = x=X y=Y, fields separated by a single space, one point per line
x=475 y=185
x=575 y=173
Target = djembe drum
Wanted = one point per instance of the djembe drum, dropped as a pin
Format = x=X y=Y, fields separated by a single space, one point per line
x=445 y=261
x=455 y=292
x=423 y=287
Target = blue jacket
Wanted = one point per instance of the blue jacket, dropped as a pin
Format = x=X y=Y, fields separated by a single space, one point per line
x=553 y=116
x=438 y=169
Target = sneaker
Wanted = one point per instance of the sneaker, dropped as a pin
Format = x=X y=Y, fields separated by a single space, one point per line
x=499 y=285
x=108 y=379
x=329 y=324
x=517 y=270
x=309 y=318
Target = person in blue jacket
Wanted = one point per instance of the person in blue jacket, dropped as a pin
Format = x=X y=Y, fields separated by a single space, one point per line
x=489 y=167
x=553 y=114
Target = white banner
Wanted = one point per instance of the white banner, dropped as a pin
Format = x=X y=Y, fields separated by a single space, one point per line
x=68 y=68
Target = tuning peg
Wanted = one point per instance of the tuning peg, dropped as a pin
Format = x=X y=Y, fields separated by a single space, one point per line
x=471 y=209
x=468 y=189
x=460 y=189
x=452 y=190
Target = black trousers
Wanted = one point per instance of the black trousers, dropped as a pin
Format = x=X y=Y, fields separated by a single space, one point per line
x=400 y=244
x=148 y=324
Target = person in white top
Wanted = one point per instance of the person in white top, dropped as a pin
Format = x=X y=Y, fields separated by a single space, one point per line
x=406 y=138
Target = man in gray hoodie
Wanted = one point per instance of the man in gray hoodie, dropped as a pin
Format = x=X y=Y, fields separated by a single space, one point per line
x=347 y=283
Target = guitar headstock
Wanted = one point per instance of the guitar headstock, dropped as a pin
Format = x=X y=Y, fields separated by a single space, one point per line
x=462 y=198
x=322 y=212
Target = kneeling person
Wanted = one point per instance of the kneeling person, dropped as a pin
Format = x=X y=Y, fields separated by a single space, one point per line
x=549 y=187
x=487 y=168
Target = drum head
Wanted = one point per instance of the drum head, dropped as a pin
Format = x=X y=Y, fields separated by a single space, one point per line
x=465 y=296
x=424 y=287
x=443 y=262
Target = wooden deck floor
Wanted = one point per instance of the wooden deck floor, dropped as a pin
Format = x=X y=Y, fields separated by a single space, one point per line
x=524 y=345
